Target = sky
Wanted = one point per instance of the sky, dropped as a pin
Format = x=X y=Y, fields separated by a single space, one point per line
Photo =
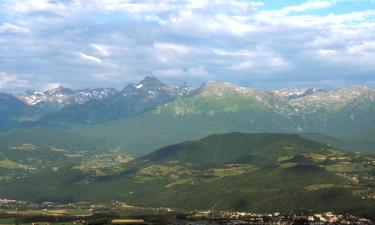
x=264 y=44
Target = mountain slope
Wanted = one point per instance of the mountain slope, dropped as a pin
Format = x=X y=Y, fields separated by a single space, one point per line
x=11 y=111
x=254 y=172
x=28 y=151
x=220 y=150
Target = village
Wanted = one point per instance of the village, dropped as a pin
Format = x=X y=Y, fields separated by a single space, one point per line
x=117 y=212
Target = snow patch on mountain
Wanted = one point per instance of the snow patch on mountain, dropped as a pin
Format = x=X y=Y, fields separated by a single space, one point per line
x=61 y=96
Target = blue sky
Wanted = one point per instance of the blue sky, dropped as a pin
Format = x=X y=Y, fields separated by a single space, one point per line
x=264 y=44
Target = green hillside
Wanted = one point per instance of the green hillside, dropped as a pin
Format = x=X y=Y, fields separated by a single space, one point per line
x=259 y=149
x=235 y=171
x=27 y=151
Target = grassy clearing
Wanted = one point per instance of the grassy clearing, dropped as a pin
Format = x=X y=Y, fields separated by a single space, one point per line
x=341 y=168
x=79 y=212
x=315 y=187
x=7 y=221
x=233 y=170
x=173 y=171
x=7 y=164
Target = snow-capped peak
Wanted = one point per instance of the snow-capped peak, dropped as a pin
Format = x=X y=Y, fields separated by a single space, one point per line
x=61 y=96
x=32 y=97
x=296 y=93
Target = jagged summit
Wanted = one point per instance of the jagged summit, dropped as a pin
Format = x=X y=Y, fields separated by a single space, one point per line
x=289 y=94
x=148 y=86
x=185 y=88
x=150 y=93
x=59 y=89
x=151 y=81
x=61 y=96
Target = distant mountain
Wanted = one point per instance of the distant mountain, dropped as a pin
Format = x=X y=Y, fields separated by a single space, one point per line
x=336 y=99
x=235 y=171
x=216 y=97
x=132 y=100
x=145 y=95
x=217 y=107
x=60 y=97
x=11 y=105
x=212 y=108
x=181 y=113
x=11 y=110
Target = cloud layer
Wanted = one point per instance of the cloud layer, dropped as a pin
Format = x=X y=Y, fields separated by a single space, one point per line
x=83 y=43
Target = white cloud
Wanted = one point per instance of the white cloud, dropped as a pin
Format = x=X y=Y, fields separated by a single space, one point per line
x=178 y=73
x=101 y=49
x=10 y=81
x=6 y=79
x=89 y=58
x=223 y=52
x=31 y=6
x=245 y=65
x=327 y=52
x=198 y=23
x=105 y=76
x=229 y=38
x=50 y=86
x=363 y=48
x=136 y=7
x=169 y=52
x=258 y=59
x=170 y=47
x=311 y=5
x=199 y=71
x=12 y=28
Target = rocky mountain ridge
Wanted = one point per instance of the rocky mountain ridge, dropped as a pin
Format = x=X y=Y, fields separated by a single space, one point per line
x=152 y=88
x=303 y=107
x=61 y=96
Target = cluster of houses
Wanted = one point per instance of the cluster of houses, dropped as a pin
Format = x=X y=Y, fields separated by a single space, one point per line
x=194 y=218
x=239 y=218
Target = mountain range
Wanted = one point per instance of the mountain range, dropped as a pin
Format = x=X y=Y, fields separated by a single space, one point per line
x=151 y=92
x=151 y=114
